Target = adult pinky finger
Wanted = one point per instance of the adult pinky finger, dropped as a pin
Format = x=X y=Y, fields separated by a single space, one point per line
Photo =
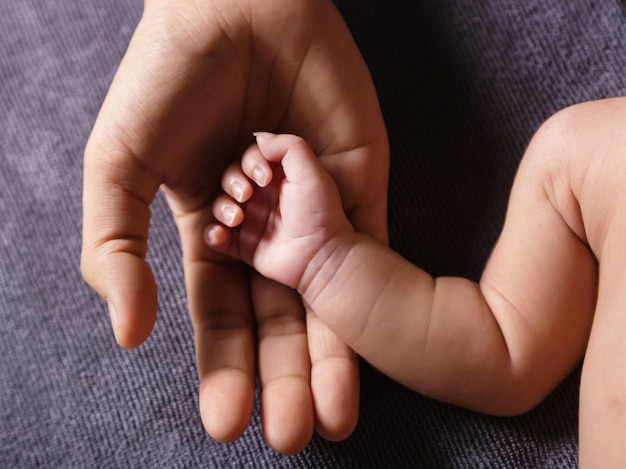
x=334 y=381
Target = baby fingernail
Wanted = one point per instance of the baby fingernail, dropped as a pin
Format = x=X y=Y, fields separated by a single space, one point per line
x=229 y=215
x=263 y=135
x=211 y=236
x=259 y=176
x=237 y=189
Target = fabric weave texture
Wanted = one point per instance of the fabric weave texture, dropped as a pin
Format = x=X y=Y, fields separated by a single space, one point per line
x=466 y=83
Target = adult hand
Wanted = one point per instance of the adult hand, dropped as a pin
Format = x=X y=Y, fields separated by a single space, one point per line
x=198 y=78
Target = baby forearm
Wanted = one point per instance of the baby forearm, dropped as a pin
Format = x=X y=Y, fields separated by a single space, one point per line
x=437 y=336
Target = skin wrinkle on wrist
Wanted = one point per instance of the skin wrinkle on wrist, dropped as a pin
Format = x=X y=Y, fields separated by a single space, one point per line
x=319 y=272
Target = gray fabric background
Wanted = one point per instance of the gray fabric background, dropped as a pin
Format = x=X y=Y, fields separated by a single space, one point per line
x=463 y=86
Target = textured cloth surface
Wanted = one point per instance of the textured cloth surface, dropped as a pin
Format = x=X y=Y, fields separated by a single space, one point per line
x=463 y=86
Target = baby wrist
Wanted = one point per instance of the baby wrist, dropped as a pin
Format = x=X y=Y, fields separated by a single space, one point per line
x=324 y=267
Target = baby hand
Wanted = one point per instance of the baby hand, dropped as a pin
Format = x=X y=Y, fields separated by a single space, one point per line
x=280 y=226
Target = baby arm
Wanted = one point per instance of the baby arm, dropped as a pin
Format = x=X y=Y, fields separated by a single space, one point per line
x=449 y=338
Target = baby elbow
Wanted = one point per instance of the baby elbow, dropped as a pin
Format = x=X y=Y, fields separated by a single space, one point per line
x=520 y=395
x=519 y=402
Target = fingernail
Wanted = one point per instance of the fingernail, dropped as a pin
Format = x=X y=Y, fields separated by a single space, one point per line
x=263 y=135
x=259 y=176
x=210 y=236
x=237 y=190
x=113 y=317
x=229 y=215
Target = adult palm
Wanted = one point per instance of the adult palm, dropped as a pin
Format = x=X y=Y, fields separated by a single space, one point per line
x=198 y=78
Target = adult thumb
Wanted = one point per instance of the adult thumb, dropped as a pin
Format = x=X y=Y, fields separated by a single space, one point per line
x=117 y=194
